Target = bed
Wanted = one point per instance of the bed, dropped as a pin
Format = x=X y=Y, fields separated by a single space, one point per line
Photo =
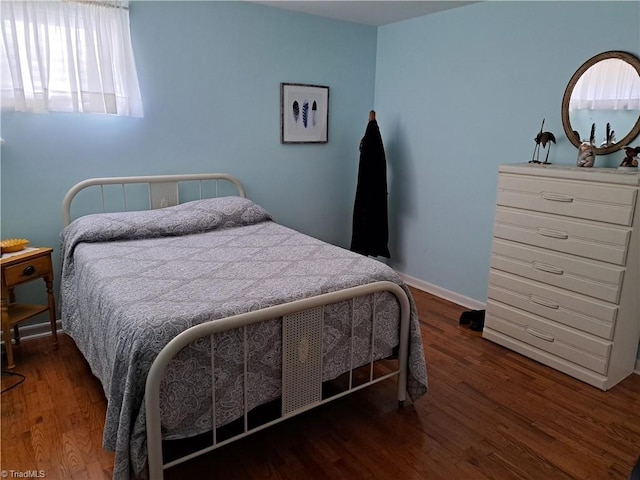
x=197 y=310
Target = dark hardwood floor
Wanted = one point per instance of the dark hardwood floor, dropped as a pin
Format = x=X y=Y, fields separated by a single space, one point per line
x=489 y=414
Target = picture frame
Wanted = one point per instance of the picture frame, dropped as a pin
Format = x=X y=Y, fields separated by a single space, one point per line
x=304 y=113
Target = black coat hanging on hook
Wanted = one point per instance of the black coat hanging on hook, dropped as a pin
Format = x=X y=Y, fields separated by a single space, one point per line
x=370 y=234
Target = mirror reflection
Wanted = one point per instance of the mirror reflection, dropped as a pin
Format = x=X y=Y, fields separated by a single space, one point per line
x=603 y=98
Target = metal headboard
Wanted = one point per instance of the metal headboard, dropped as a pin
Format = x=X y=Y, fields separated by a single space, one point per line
x=163 y=189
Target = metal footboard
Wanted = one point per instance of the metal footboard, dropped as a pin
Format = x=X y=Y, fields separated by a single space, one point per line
x=301 y=366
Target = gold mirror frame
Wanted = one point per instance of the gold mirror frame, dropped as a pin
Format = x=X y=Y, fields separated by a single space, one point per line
x=566 y=124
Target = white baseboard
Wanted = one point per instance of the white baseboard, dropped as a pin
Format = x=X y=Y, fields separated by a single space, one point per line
x=454 y=297
x=36 y=330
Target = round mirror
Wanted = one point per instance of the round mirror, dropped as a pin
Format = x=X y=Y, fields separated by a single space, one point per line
x=602 y=101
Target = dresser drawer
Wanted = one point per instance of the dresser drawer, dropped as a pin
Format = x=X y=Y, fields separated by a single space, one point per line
x=583 y=313
x=580 y=348
x=587 y=277
x=26 y=270
x=591 y=201
x=599 y=241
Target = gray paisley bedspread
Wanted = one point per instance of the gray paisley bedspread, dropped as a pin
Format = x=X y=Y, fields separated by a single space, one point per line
x=131 y=281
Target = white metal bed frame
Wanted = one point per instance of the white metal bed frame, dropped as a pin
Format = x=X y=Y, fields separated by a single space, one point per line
x=301 y=335
x=163 y=189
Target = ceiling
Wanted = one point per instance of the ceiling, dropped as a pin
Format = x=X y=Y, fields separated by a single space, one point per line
x=375 y=13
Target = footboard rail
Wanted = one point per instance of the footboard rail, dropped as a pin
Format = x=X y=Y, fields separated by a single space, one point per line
x=300 y=348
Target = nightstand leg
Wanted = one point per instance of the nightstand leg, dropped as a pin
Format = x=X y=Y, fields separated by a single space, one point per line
x=6 y=332
x=16 y=332
x=52 y=309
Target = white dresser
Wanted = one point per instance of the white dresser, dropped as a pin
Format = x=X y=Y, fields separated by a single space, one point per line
x=564 y=283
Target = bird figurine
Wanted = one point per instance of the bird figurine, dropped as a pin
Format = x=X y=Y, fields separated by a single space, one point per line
x=542 y=138
x=631 y=157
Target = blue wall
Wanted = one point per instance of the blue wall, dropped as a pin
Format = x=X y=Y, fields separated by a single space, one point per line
x=210 y=75
x=459 y=93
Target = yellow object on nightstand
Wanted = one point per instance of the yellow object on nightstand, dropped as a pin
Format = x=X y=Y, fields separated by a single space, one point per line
x=19 y=268
x=13 y=245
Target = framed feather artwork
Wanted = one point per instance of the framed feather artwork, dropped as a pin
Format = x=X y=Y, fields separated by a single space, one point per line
x=304 y=113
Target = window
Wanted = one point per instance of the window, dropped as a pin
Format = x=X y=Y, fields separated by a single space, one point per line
x=68 y=56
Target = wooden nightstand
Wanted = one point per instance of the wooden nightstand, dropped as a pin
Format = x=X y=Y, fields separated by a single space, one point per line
x=18 y=269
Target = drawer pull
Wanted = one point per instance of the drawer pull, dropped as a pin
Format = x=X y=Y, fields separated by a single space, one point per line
x=546 y=232
x=548 y=268
x=557 y=197
x=544 y=302
x=30 y=270
x=536 y=333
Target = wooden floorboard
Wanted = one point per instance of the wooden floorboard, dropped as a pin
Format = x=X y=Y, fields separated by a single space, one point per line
x=489 y=414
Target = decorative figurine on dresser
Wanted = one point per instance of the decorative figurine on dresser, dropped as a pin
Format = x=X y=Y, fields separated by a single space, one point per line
x=587 y=150
x=631 y=157
x=542 y=138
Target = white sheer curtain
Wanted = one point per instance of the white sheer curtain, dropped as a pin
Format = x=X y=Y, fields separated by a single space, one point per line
x=610 y=84
x=68 y=56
